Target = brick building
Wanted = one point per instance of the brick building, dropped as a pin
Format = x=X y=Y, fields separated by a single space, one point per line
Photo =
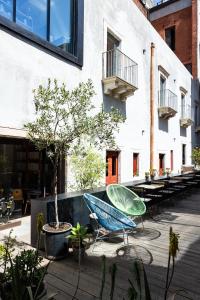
x=177 y=21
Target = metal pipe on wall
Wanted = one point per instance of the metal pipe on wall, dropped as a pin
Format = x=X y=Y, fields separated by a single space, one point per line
x=152 y=100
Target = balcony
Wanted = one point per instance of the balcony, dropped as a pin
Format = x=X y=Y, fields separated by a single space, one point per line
x=167 y=104
x=119 y=74
x=186 y=116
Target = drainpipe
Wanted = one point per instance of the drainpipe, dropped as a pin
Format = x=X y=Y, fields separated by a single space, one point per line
x=152 y=100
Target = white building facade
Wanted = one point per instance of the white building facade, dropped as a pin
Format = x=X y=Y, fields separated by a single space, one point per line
x=74 y=55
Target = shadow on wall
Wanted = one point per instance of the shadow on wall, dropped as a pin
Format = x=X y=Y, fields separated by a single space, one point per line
x=183 y=131
x=110 y=102
x=163 y=125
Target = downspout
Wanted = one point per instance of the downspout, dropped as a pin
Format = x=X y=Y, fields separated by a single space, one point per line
x=152 y=100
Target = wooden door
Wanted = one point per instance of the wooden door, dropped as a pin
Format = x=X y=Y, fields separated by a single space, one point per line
x=111 y=167
x=161 y=164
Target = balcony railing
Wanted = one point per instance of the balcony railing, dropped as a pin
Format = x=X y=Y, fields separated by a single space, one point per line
x=186 y=116
x=167 y=104
x=120 y=74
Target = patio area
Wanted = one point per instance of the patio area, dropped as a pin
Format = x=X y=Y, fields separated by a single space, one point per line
x=181 y=212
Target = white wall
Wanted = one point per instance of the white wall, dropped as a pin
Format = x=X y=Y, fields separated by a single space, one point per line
x=23 y=67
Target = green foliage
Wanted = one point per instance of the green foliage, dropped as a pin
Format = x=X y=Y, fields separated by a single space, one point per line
x=22 y=274
x=78 y=233
x=65 y=118
x=173 y=249
x=196 y=156
x=88 y=167
x=139 y=287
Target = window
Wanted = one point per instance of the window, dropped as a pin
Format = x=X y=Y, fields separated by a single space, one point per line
x=61 y=24
x=189 y=67
x=135 y=164
x=32 y=16
x=196 y=115
x=183 y=154
x=183 y=106
x=55 y=24
x=170 y=37
x=162 y=90
x=6 y=9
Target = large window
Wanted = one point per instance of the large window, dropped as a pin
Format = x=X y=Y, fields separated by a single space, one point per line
x=61 y=24
x=6 y=9
x=58 y=22
x=32 y=15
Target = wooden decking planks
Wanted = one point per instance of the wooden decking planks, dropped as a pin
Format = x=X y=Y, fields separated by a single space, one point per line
x=183 y=216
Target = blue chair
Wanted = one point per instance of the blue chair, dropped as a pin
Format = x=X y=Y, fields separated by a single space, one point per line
x=108 y=217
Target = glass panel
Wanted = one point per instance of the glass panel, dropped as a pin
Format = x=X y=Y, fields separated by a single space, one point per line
x=32 y=15
x=182 y=106
x=6 y=8
x=162 y=91
x=61 y=24
x=114 y=160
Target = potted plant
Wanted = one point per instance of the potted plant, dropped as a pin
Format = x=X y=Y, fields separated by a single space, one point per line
x=153 y=173
x=147 y=176
x=63 y=120
x=77 y=236
x=22 y=275
x=168 y=172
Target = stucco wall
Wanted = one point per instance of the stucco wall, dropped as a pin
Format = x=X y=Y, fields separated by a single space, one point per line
x=23 y=66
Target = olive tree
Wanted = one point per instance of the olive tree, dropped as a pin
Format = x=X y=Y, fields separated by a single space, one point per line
x=63 y=118
x=196 y=156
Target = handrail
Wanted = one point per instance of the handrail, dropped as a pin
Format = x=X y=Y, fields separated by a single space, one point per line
x=116 y=63
x=167 y=98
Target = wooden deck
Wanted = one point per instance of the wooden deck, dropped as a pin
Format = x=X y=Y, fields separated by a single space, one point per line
x=183 y=214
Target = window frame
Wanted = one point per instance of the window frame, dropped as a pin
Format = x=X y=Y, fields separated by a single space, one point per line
x=19 y=32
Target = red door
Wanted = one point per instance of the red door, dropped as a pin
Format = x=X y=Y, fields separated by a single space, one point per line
x=111 y=167
x=161 y=164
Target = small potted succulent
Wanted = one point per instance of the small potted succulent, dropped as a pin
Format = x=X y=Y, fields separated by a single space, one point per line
x=168 y=171
x=153 y=173
x=147 y=176
x=77 y=236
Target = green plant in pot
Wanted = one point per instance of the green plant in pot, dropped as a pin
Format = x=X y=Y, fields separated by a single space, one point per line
x=77 y=236
x=63 y=120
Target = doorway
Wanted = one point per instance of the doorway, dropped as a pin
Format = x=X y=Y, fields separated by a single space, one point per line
x=112 y=167
x=161 y=163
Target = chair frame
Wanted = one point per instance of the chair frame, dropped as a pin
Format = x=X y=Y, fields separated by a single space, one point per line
x=106 y=235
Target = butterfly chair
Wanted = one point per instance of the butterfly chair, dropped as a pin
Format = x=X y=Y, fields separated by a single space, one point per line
x=126 y=200
x=108 y=217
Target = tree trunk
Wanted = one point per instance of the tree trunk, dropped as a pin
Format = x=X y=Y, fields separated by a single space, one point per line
x=55 y=181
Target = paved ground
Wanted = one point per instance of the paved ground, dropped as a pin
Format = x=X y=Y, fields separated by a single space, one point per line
x=21 y=232
x=152 y=246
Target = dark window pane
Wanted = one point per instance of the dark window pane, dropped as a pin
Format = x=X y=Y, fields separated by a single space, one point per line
x=6 y=8
x=170 y=37
x=32 y=15
x=114 y=165
x=61 y=24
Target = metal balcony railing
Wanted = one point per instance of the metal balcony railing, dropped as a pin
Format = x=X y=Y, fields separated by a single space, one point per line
x=186 y=112
x=167 y=98
x=116 y=63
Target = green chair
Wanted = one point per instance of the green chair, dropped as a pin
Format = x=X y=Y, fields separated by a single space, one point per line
x=126 y=200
